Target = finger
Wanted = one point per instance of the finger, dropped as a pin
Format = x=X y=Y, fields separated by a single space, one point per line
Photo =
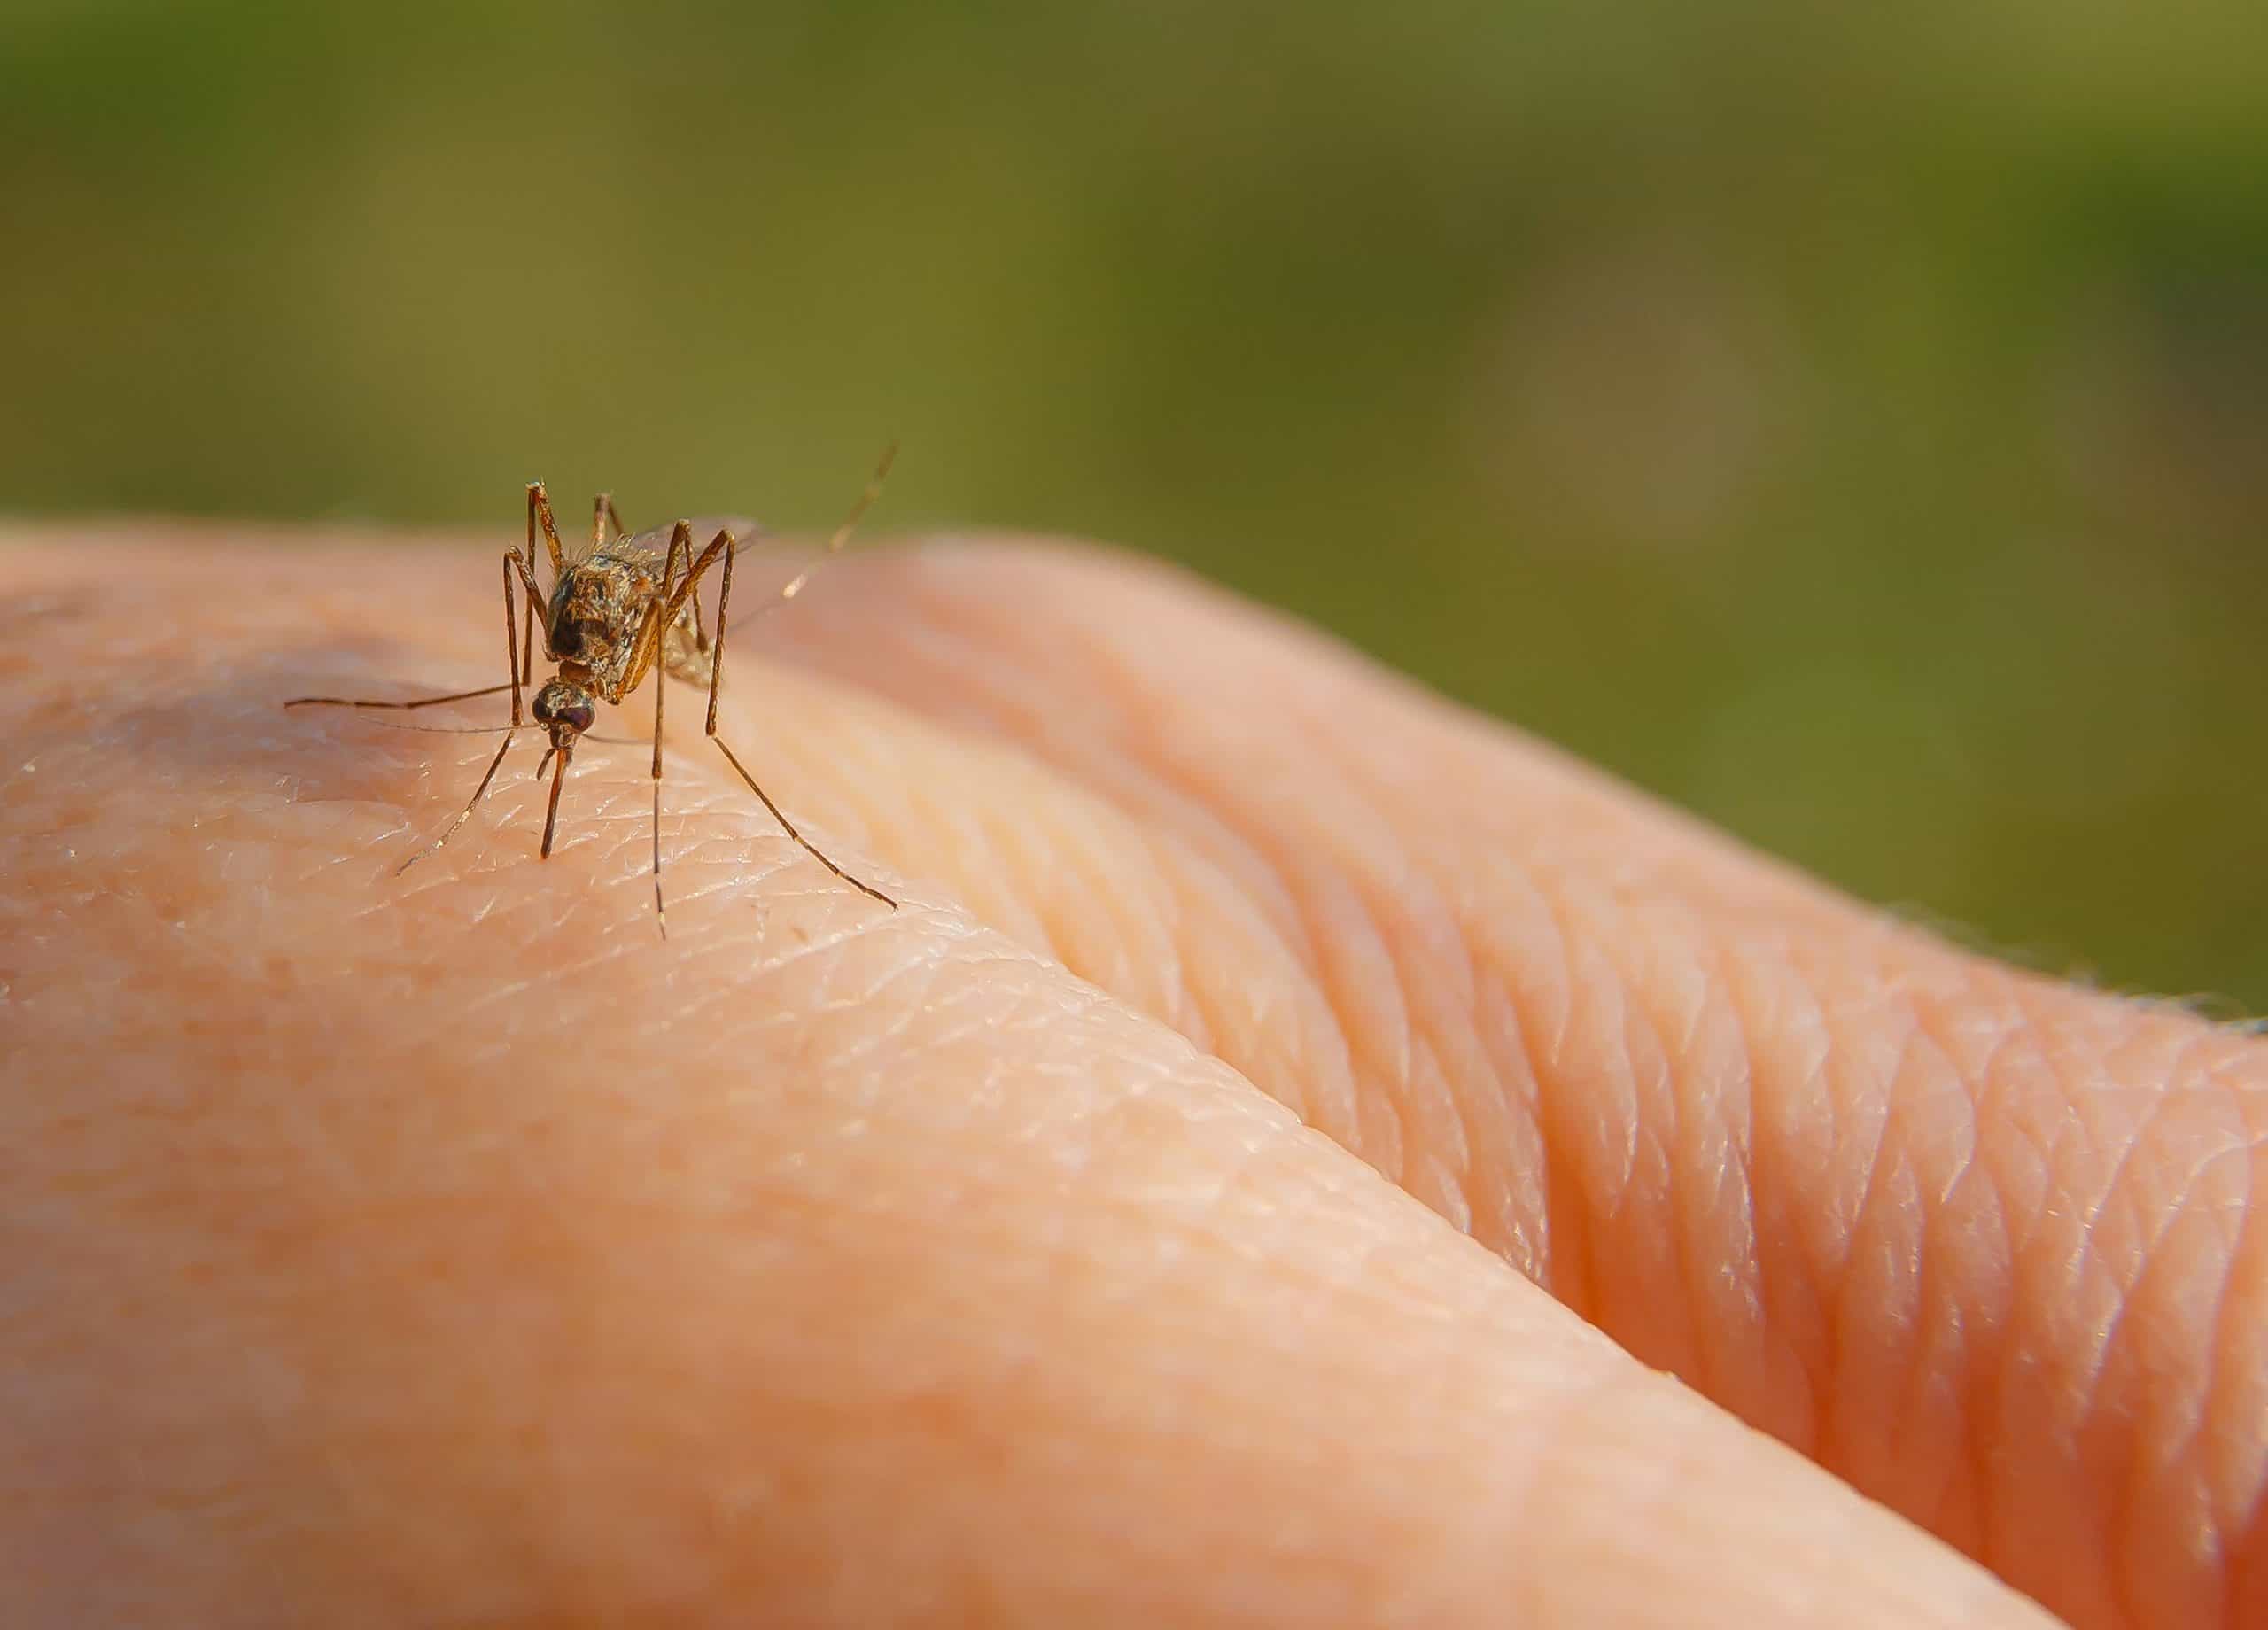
x=454 y=1251
x=1985 y=1243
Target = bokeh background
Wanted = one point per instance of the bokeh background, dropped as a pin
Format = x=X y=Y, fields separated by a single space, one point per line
x=1851 y=423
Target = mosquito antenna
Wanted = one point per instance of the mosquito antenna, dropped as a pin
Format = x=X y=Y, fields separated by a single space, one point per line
x=420 y=702
x=483 y=730
x=795 y=584
x=452 y=730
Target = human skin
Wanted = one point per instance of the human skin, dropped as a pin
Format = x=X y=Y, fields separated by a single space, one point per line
x=449 y=1248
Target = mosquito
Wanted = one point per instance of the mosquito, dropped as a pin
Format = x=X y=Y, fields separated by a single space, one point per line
x=614 y=614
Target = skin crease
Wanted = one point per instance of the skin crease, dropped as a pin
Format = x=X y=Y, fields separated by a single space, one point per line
x=444 y=1248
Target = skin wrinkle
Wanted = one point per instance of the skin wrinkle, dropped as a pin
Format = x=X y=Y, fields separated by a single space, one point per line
x=1654 y=1306
x=2238 y=1488
x=1934 y=1407
x=1761 y=991
x=1326 y=1097
x=2117 y=1208
x=2173 y=1489
x=1373 y=1125
x=1669 y=1326
x=1894 y=939
x=1115 y=882
x=1349 y=979
x=2041 y=1412
x=1983 y=1339
x=1564 y=1259
x=1435 y=1152
x=1709 y=1164
x=2018 y=1167
x=2177 y=1493
x=1739 y=1253
x=1576 y=1118
x=1880 y=1317
x=2247 y=1577
x=1479 y=1100
x=1976 y=1334
x=1512 y=1183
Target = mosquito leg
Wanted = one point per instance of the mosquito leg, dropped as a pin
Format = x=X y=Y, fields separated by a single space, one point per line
x=534 y=592
x=716 y=684
x=671 y=601
x=465 y=814
x=527 y=644
x=661 y=916
x=724 y=597
x=699 y=637
x=788 y=826
x=511 y=654
x=539 y=513
x=522 y=668
x=601 y=513
x=681 y=539
x=716 y=660
x=538 y=517
x=422 y=701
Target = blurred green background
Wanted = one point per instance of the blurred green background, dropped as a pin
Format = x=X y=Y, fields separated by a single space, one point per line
x=1850 y=422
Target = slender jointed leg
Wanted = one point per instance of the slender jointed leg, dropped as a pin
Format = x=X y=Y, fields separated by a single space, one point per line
x=464 y=814
x=661 y=914
x=643 y=653
x=681 y=540
x=717 y=657
x=788 y=826
x=539 y=515
x=527 y=643
x=716 y=680
x=601 y=515
x=538 y=518
x=511 y=650
x=534 y=592
x=701 y=640
x=719 y=549
x=422 y=701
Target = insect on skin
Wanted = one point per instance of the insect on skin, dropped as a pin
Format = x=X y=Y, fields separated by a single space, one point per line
x=612 y=615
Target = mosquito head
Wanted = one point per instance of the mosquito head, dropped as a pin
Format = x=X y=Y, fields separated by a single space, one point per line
x=566 y=711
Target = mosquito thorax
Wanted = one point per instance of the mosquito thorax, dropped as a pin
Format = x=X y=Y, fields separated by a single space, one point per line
x=566 y=711
x=592 y=616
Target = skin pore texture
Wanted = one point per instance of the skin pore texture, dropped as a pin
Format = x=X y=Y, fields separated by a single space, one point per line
x=1261 y=1175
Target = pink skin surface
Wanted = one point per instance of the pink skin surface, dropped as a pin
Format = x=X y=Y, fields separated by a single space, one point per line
x=448 y=1248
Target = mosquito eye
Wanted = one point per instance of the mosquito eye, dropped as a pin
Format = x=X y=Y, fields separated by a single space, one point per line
x=559 y=705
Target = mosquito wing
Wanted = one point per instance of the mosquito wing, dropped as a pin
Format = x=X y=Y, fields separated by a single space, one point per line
x=653 y=544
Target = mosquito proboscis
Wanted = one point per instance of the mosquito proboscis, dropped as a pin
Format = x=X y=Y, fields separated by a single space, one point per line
x=612 y=615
